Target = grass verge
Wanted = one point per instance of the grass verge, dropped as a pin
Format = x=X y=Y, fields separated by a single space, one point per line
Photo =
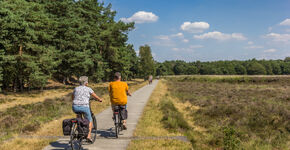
x=154 y=123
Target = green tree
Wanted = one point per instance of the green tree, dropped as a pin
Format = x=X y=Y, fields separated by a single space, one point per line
x=1 y=67
x=286 y=68
x=255 y=68
x=191 y=69
x=146 y=61
x=28 y=44
x=287 y=59
x=180 y=67
x=240 y=69
x=276 y=67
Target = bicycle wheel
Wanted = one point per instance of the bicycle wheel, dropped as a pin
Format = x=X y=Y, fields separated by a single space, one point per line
x=116 y=119
x=74 y=141
x=94 y=129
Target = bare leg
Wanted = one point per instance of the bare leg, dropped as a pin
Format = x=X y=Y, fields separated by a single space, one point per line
x=90 y=130
x=124 y=124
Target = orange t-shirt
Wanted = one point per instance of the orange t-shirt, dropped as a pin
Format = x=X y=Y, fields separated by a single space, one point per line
x=118 y=92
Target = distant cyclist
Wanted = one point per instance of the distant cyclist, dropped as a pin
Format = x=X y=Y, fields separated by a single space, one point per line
x=150 y=79
x=118 y=91
x=81 y=98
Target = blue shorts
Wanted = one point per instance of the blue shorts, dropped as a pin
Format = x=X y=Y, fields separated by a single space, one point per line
x=82 y=109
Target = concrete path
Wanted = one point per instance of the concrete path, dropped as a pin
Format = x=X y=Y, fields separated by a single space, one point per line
x=106 y=137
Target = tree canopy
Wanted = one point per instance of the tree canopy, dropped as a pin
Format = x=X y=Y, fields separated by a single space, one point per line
x=44 y=39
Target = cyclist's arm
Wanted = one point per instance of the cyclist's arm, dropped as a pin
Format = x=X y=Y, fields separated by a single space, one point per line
x=127 y=90
x=96 y=97
x=128 y=93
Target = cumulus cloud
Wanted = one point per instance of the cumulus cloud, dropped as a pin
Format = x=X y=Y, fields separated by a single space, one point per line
x=141 y=17
x=194 y=27
x=220 y=36
x=279 y=37
x=272 y=50
x=286 y=22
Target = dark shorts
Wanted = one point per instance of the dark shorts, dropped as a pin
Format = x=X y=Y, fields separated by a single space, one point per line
x=124 y=112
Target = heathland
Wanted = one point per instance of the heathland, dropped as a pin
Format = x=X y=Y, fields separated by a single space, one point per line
x=32 y=120
x=218 y=112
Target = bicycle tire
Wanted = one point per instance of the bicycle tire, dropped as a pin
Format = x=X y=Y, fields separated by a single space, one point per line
x=116 y=126
x=94 y=129
x=74 y=142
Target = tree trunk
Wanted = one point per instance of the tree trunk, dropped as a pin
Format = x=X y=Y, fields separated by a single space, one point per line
x=15 y=86
x=20 y=50
x=63 y=81
x=21 y=84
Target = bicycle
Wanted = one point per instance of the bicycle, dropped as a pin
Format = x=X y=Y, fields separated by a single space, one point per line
x=118 y=119
x=77 y=138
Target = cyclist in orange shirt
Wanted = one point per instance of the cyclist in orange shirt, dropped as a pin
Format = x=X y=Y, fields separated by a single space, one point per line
x=118 y=91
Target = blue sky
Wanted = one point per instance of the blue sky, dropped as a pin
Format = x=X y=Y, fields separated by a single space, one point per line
x=208 y=30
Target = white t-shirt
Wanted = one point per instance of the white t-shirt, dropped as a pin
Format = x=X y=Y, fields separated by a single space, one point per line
x=82 y=96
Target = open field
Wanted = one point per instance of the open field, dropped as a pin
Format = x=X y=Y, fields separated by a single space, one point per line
x=219 y=112
x=44 y=118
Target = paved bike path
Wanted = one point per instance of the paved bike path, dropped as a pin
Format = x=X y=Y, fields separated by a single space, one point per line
x=106 y=136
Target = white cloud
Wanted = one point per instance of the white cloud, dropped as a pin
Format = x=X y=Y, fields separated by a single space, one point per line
x=272 y=50
x=191 y=48
x=185 y=40
x=254 y=47
x=279 y=37
x=162 y=37
x=250 y=43
x=163 y=40
x=194 y=27
x=141 y=17
x=286 y=22
x=180 y=35
x=220 y=36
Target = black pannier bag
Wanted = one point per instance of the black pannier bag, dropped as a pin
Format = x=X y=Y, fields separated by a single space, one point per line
x=83 y=126
x=66 y=126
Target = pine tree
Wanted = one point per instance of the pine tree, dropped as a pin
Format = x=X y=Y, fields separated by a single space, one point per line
x=30 y=58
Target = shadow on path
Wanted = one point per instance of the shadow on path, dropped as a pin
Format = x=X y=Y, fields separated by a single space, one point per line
x=108 y=134
x=59 y=146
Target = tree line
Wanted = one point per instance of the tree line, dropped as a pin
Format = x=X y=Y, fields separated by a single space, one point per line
x=60 y=39
x=234 y=67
